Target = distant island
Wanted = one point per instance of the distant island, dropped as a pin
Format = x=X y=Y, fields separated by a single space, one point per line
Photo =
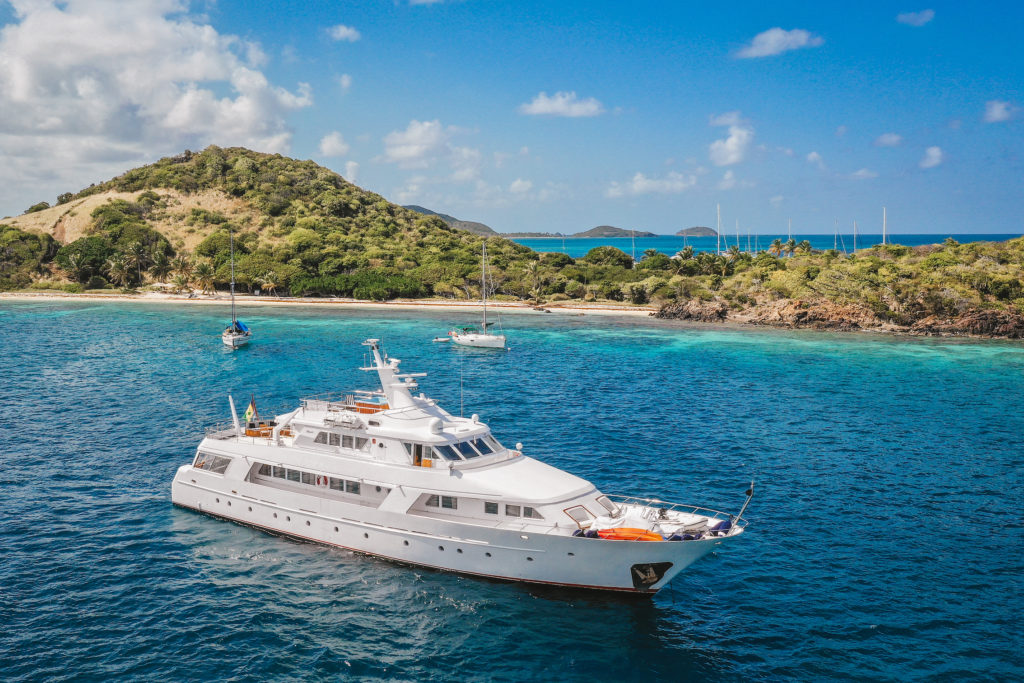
x=469 y=226
x=599 y=231
x=698 y=231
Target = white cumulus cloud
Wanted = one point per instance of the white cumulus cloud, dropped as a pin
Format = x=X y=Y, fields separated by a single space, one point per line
x=520 y=186
x=91 y=87
x=345 y=81
x=916 y=18
x=776 y=41
x=333 y=145
x=351 y=171
x=864 y=174
x=777 y=200
x=817 y=160
x=932 y=157
x=344 y=33
x=424 y=143
x=732 y=149
x=673 y=183
x=888 y=140
x=997 y=111
x=562 y=104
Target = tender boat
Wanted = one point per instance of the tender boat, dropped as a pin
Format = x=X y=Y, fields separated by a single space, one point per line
x=236 y=334
x=482 y=338
x=390 y=473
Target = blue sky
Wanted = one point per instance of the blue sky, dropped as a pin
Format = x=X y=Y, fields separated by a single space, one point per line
x=541 y=116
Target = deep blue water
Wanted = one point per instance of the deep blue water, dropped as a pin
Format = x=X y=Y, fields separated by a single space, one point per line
x=885 y=540
x=671 y=244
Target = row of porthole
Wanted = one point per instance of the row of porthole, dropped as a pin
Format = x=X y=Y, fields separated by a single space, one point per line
x=365 y=535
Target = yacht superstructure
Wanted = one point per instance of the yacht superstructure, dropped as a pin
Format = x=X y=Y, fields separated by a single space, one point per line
x=392 y=474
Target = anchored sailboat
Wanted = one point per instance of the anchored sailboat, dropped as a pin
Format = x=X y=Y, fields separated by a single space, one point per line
x=470 y=336
x=236 y=334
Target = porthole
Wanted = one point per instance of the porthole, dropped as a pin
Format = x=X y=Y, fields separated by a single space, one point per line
x=275 y=515
x=366 y=535
x=459 y=551
x=524 y=537
x=335 y=529
x=229 y=503
x=572 y=554
x=529 y=559
x=441 y=548
x=250 y=508
x=288 y=518
x=307 y=522
x=487 y=554
x=378 y=488
x=405 y=542
x=218 y=500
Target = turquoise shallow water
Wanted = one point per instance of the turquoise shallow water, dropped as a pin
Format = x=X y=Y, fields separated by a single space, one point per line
x=672 y=244
x=885 y=539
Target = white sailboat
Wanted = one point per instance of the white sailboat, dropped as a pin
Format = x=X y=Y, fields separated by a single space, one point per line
x=470 y=336
x=236 y=334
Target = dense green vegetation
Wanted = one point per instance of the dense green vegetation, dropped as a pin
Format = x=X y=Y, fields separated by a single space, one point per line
x=315 y=234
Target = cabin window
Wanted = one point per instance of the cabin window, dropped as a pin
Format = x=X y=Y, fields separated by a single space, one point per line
x=346 y=440
x=512 y=510
x=465 y=449
x=433 y=501
x=265 y=470
x=482 y=446
x=491 y=508
x=308 y=478
x=352 y=487
x=579 y=514
x=450 y=502
x=493 y=443
x=337 y=484
x=279 y=472
x=361 y=443
x=294 y=475
x=608 y=505
x=321 y=438
x=335 y=439
x=531 y=513
x=212 y=463
x=447 y=452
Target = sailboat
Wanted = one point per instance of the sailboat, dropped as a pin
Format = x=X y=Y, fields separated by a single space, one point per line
x=236 y=334
x=470 y=336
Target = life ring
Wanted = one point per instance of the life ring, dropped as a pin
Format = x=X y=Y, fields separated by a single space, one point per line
x=322 y=481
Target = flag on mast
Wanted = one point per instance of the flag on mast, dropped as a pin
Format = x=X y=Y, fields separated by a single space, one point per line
x=250 y=412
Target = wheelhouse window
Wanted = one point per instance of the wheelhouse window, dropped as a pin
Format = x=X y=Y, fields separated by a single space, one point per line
x=490 y=508
x=481 y=445
x=513 y=511
x=335 y=439
x=450 y=502
x=531 y=513
x=265 y=470
x=321 y=438
x=279 y=472
x=446 y=452
x=294 y=475
x=433 y=501
x=466 y=449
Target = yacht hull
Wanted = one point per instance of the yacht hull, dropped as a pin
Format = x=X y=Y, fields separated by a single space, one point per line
x=512 y=555
x=483 y=341
x=234 y=341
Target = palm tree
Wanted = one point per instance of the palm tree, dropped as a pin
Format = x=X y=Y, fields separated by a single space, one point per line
x=734 y=252
x=180 y=282
x=76 y=264
x=204 y=277
x=805 y=246
x=119 y=271
x=776 y=248
x=136 y=257
x=791 y=246
x=687 y=253
x=649 y=253
x=161 y=267
x=182 y=265
x=269 y=282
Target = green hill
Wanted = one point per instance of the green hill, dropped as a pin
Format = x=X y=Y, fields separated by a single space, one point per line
x=610 y=231
x=471 y=226
x=698 y=231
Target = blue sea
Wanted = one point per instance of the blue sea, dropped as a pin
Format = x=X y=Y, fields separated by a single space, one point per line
x=671 y=244
x=885 y=537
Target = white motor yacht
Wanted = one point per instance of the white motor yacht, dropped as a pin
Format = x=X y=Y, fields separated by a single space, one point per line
x=390 y=473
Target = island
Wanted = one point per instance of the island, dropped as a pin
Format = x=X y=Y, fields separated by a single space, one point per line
x=697 y=231
x=469 y=226
x=300 y=229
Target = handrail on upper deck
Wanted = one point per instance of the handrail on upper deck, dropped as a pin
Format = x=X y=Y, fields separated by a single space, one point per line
x=654 y=503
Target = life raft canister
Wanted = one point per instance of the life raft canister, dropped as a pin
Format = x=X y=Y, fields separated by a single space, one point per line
x=629 y=534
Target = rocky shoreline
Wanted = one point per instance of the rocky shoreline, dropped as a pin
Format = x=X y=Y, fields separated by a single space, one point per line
x=828 y=315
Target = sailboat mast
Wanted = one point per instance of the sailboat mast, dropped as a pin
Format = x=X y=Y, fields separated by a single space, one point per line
x=483 y=282
x=718 y=245
x=883 y=225
x=855 y=236
x=231 y=240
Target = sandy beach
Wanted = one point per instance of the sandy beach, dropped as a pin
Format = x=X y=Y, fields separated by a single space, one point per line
x=517 y=308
